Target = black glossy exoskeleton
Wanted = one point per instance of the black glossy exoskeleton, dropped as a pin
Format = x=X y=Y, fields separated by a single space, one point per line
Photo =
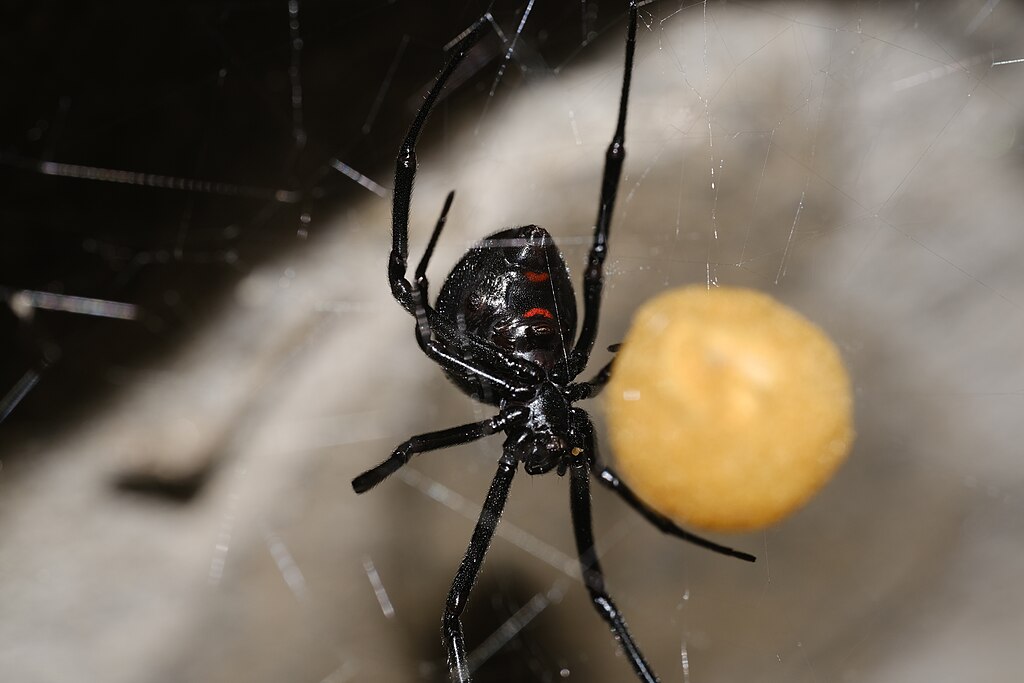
x=512 y=289
x=502 y=330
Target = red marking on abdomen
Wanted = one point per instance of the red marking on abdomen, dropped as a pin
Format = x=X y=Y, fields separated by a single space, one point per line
x=534 y=276
x=538 y=311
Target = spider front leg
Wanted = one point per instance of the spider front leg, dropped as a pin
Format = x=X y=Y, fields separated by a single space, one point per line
x=451 y=626
x=405 y=171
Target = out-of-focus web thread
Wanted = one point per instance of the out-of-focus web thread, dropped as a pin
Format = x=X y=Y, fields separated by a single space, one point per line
x=516 y=623
x=510 y=532
x=385 y=85
x=505 y=62
x=286 y=564
x=295 y=73
x=110 y=175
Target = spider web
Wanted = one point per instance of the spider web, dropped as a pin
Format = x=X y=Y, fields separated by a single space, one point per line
x=202 y=350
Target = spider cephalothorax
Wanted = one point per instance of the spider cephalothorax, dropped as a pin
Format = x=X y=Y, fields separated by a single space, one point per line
x=504 y=330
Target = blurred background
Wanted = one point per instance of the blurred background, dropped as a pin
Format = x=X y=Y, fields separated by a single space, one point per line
x=200 y=349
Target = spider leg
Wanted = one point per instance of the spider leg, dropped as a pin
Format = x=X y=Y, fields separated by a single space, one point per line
x=433 y=441
x=577 y=391
x=593 y=278
x=601 y=378
x=405 y=171
x=593 y=577
x=453 y=363
x=421 y=269
x=449 y=337
x=451 y=626
x=610 y=480
x=468 y=346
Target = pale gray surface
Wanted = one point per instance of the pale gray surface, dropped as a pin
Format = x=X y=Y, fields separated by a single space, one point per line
x=866 y=170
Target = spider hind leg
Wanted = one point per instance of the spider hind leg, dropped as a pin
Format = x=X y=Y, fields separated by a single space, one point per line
x=609 y=479
x=593 y=576
x=458 y=596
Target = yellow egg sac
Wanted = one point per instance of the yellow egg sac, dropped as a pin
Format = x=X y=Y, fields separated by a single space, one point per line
x=727 y=410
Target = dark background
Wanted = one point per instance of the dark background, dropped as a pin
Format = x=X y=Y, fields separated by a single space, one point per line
x=194 y=101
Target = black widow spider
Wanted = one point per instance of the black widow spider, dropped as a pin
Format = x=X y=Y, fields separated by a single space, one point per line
x=500 y=330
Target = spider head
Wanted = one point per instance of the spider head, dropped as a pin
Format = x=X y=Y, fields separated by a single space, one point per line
x=512 y=290
x=544 y=452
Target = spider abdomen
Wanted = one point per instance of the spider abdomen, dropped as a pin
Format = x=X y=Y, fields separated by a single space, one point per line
x=512 y=291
